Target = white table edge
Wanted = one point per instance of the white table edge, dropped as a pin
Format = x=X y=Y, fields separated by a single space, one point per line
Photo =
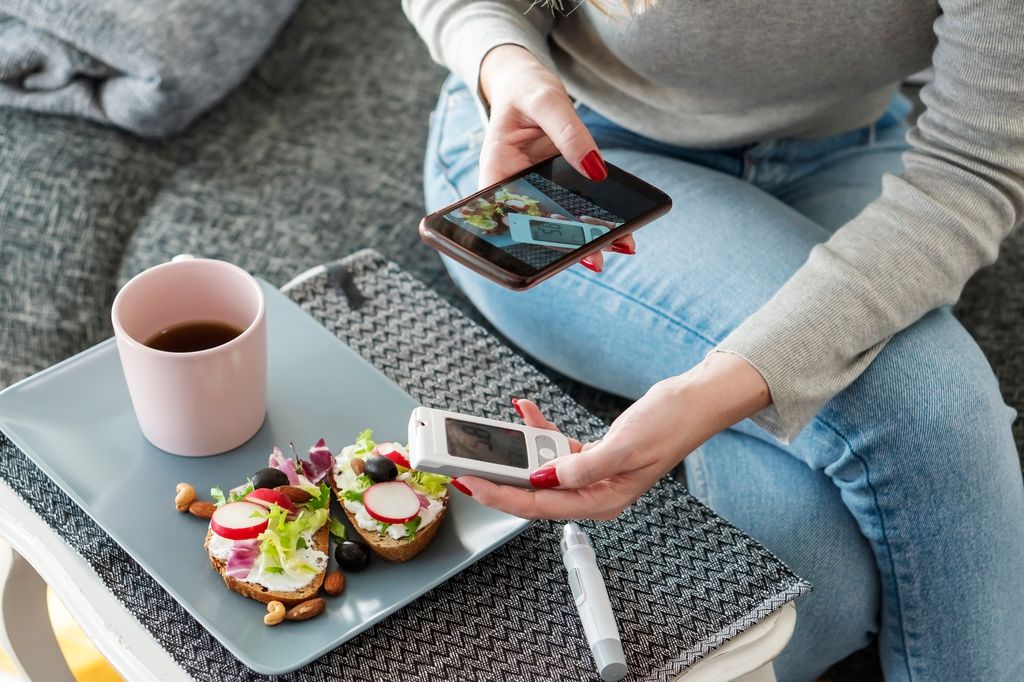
x=114 y=630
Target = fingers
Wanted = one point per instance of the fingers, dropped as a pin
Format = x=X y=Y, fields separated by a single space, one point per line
x=532 y=416
x=552 y=110
x=626 y=245
x=545 y=504
x=594 y=262
x=597 y=463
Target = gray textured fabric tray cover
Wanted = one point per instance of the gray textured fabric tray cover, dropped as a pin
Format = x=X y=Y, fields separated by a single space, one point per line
x=681 y=580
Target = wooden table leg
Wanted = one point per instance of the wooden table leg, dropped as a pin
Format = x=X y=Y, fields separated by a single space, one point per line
x=25 y=629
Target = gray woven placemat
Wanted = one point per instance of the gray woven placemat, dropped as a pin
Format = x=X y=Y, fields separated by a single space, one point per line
x=681 y=580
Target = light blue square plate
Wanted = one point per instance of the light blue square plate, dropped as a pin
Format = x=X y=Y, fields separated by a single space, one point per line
x=75 y=421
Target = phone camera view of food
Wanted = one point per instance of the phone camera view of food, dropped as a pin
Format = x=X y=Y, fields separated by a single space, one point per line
x=542 y=220
x=534 y=220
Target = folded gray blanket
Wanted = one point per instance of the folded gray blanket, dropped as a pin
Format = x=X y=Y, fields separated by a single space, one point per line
x=148 y=66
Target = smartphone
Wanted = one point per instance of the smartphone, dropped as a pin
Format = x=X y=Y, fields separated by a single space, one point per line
x=520 y=231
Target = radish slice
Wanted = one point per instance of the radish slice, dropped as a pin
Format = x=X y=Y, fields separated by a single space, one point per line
x=265 y=497
x=391 y=502
x=239 y=521
x=392 y=452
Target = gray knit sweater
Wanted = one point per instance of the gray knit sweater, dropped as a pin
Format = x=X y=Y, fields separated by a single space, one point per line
x=731 y=72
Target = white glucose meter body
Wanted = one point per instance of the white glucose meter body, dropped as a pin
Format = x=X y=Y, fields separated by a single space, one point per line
x=552 y=232
x=455 y=444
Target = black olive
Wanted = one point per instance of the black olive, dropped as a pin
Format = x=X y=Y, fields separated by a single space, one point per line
x=352 y=556
x=269 y=478
x=380 y=469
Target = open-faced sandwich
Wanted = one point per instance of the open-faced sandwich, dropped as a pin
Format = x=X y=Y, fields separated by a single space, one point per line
x=396 y=510
x=268 y=538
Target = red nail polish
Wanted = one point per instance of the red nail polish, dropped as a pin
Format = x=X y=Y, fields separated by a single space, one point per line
x=544 y=478
x=519 y=410
x=618 y=248
x=594 y=166
x=589 y=264
x=461 y=488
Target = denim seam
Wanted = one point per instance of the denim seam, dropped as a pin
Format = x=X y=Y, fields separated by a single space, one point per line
x=885 y=538
x=441 y=119
x=645 y=306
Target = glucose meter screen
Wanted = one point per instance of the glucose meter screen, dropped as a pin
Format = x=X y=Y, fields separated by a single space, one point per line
x=485 y=443
x=559 y=233
x=541 y=216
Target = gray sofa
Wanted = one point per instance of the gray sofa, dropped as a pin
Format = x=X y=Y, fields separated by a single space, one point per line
x=316 y=155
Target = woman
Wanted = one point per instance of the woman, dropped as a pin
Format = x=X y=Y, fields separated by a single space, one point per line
x=803 y=281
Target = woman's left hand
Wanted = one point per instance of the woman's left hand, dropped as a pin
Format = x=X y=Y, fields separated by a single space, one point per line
x=642 y=445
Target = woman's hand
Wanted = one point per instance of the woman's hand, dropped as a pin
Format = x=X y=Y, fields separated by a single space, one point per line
x=642 y=445
x=532 y=119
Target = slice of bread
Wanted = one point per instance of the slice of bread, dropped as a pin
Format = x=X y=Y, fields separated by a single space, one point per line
x=260 y=593
x=398 y=551
x=385 y=546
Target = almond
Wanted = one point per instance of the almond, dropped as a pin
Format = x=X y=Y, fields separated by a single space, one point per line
x=358 y=465
x=334 y=583
x=202 y=509
x=306 y=610
x=293 y=493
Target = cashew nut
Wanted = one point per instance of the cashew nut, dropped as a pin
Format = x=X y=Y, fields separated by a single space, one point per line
x=275 y=613
x=184 y=496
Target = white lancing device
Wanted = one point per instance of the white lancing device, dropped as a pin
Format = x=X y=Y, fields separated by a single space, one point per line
x=591 y=597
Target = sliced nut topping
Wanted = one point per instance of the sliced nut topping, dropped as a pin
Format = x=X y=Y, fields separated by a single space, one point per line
x=293 y=493
x=202 y=509
x=184 y=496
x=306 y=610
x=334 y=583
x=358 y=465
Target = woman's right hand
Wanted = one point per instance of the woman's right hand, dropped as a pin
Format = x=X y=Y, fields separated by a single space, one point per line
x=532 y=119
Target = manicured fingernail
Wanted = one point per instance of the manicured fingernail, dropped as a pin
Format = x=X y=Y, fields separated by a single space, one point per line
x=589 y=264
x=519 y=410
x=461 y=488
x=619 y=248
x=544 y=478
x=594 y=166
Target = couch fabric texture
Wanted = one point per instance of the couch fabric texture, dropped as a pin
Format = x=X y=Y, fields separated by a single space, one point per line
x=317 y=154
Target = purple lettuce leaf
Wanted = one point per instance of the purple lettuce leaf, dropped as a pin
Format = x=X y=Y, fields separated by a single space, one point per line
x=242 y=558
x=285 y=464
x=320 y=462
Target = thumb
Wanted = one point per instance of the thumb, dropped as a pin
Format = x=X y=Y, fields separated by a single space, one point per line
x=559 y=121
x=594 y=464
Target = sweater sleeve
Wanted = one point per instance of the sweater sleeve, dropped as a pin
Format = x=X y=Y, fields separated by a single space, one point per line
x=915 y=247
x=460 y=33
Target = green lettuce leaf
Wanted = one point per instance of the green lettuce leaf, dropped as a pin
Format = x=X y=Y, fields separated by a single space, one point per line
x=364 y=442
x=338 y=530
x=279 y=543
x=411 y=526
x=431 y=485
x=321 y=498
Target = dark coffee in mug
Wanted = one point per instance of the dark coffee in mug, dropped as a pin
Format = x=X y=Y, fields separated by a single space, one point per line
x=188 y=337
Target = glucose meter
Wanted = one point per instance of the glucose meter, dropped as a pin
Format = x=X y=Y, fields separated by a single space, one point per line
x=457 y=444
x=560 y=234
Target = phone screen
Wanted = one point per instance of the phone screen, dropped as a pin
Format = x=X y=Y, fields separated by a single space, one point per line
x=540 y=217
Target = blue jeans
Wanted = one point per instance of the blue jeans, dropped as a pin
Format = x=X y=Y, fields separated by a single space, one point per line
x=902 y=501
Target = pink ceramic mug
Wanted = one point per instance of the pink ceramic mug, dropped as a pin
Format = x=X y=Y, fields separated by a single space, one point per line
x=202 y=402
